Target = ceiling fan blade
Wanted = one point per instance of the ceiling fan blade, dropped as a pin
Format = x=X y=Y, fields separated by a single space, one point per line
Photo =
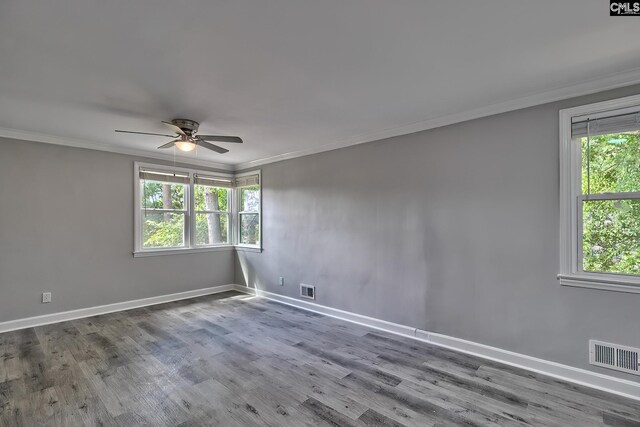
x=215 y=148
x=145 y=133
x=175 y=128
x=220 y=138
x=169 y=144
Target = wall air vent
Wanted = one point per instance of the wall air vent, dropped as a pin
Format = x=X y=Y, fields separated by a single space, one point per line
x=613 y=356
x=307 y=291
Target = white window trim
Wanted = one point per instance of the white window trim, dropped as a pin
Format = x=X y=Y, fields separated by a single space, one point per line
x=178 y=251
x=229 y=214
x=190 y=246
x=570 y=190
x=236 y=215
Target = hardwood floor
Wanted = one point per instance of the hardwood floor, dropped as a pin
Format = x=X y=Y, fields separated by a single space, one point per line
x=230 y=359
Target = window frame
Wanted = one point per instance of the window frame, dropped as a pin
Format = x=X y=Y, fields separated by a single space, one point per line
x=186 y=232
x=571 y=198
x=238 y=213
x=228 y=213
x=190 y=213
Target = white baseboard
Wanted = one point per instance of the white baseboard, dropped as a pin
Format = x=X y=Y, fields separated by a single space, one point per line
x=595 y=380
x=332 y=312
x=622 y=387
x=63 y=316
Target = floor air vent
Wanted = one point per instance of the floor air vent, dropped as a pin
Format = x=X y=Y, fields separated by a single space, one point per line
x=612 y=356
x=307 y=291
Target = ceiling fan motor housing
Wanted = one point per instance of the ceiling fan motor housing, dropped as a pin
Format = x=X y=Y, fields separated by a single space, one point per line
x=187 y=140
x=188 y=126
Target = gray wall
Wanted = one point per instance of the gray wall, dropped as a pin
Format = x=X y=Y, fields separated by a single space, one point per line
x=452 y=230
x=56 y=235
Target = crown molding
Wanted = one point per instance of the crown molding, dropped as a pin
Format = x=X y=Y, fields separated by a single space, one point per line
x=69 y=142
x=601 y=84
x=608 y=82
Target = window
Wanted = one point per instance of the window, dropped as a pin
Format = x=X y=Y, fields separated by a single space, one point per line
x=600 y=195
x=212 y=208
x=249 y=210
x=179 y=210
x=164 y=210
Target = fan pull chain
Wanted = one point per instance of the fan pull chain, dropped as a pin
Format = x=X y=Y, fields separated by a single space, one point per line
x=144 y=193
x=588 y=159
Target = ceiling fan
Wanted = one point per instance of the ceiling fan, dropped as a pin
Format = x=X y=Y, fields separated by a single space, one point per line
x=187 y=140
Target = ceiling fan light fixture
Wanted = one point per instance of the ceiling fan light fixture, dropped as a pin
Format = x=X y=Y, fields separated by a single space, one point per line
x=185 y=145
x=187 y=140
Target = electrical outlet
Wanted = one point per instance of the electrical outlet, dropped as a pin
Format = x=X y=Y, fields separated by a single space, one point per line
x=281 y=281
x=46 y=297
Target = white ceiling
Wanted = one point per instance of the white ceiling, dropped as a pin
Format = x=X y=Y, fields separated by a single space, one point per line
x=294 y=76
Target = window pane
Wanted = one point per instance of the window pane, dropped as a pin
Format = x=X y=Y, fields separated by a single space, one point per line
x=212 y=229
x=613 y=162
x=161 y=195
x=249 y=229
x=250 y=199
x=611 y=236
x=211 y=198
x=162 y=230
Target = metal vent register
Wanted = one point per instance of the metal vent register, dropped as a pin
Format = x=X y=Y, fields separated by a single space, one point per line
x=613 y=356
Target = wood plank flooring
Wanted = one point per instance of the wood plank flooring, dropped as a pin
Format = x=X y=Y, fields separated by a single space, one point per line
x=234 y=360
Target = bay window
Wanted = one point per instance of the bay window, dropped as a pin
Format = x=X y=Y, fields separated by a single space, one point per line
x=180 y=210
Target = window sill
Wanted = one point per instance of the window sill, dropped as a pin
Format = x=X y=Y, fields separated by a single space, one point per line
x=602 y=282
x=158 y=252
x=244 y=248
